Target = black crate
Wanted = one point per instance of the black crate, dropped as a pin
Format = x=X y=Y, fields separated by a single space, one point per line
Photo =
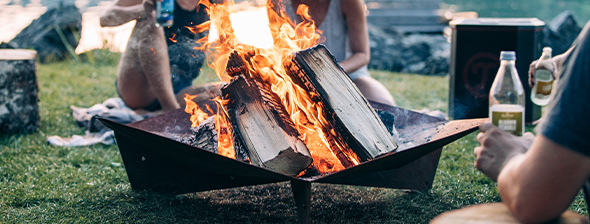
x=475 y=58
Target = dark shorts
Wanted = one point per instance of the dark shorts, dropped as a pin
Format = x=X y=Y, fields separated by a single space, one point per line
x=185 y=60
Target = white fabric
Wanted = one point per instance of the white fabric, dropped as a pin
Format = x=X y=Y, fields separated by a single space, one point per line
x=106 y=138
x=113 y=109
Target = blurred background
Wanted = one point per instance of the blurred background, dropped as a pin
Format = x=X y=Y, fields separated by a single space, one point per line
x=542 y=9
x=17 y=14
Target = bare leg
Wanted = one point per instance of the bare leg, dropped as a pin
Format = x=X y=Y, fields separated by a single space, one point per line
x=144 y=69
x=373 y=90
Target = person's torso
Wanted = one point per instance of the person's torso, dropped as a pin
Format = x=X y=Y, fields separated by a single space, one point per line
x=333 y=28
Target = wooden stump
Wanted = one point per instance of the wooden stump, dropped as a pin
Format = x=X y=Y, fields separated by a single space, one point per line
x=496 y=213
x=19 y=111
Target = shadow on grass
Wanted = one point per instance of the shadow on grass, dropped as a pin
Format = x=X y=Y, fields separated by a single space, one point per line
x=273 y=203
x=29 y=203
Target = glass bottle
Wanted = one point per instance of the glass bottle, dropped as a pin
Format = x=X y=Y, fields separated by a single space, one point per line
x=544 y=69
x=507 y=99
x=165 y=13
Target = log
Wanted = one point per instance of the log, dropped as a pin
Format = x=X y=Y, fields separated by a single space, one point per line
x=354 y=120
x=271 y=141
x=205 y=135
x=19 y=111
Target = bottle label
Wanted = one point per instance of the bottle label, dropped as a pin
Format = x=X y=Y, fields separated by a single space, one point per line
x=544 y=82
x=508 y=118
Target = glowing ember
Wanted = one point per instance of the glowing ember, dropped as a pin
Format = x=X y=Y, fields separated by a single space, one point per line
x=266 y=60
x=173 y=38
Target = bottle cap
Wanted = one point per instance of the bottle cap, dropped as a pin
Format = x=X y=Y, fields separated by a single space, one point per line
x=547 y=50
x=508 y=55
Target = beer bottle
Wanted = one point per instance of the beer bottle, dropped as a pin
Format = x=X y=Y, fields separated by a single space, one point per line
x=541 y=91
x=165 y=13
x=507 y=100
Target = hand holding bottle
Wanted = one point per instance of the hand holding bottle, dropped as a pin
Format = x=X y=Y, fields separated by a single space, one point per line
x=542 y=76
x=532 y=71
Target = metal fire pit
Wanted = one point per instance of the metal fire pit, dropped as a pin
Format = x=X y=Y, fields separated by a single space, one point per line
x=154 y=161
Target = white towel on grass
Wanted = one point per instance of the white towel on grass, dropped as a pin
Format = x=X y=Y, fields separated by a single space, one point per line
x=113 y=109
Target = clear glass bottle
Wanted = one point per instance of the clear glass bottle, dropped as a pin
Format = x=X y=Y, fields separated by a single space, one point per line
x=165 y=13
x=507 y=99
x=544 y=69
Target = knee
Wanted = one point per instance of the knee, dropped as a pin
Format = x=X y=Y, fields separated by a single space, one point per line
x=373 y=90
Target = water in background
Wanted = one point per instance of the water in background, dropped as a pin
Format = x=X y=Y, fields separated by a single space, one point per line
x=543 y=9
x=15 y=15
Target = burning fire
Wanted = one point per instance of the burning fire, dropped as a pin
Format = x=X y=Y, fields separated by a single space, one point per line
x=267 y=59
x=224 y=139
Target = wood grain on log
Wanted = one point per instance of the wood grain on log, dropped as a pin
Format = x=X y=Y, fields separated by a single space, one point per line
x=270 y=141
x=352 y=116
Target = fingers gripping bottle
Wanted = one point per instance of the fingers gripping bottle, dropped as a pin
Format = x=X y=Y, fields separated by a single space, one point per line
x=165 y=13
x=507 y=99
x=544 y=69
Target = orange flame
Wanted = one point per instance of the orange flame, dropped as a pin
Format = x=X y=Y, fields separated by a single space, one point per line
x=269 y=65
x=173 y=38
x=225 y=141
x=225 y=145
x=197 y=115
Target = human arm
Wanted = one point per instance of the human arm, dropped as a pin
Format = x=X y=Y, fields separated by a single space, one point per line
x=356 y=21
x=540 y=184
x=121 y=12
x=188 y=5
x=536 y=184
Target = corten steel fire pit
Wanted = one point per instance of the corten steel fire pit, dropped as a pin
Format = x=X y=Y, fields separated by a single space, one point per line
x=154 y=161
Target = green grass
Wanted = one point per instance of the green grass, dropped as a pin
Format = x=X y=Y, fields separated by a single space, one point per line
x=40 y=183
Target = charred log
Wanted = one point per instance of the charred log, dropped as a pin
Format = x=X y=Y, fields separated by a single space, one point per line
x=205 y=135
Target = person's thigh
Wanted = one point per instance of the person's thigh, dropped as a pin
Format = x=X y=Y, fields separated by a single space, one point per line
x=373 y=90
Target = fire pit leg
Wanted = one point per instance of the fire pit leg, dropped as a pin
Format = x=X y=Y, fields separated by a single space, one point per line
x=302 y=194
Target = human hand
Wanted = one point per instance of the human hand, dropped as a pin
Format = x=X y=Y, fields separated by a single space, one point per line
x=150 y=7
x=497 y=147
x=188 y=5
x=532 y=67
x=532 y=73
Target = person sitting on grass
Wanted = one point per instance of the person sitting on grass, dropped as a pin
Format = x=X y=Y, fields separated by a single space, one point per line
x=344 y=27
x=539 y=177
x=159 y=64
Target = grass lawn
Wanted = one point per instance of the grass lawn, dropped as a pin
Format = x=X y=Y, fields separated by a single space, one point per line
x=40 y=183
